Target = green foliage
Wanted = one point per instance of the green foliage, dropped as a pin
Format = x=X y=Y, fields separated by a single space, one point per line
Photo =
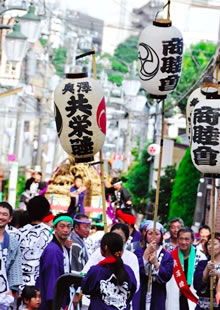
x=195 y=60
x=43 y=41
x=137 y=181
x=20 y=188
x=127 y=51
x=59 y=60
x=184 y=192
x=116 y=78
x=166 y=186
x=135 y=151
x=118 y=66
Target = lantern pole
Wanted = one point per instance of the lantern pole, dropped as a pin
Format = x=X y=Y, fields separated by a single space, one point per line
x=100 y=156
x=212 y=243
x=157 y=196
x=213 y=217
x=168 y=10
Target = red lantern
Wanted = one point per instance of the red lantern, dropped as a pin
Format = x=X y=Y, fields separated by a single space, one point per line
x=80 y=116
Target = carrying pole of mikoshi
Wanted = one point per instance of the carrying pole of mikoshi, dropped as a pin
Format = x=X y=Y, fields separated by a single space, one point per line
x=212 y=242
x=157 y=196
x=100 y=157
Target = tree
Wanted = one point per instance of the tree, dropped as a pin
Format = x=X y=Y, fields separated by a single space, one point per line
x=166 y=186
x=138 y=180
x=127 y=51
x=183 y=198
x=195 y=60
x=59 y=60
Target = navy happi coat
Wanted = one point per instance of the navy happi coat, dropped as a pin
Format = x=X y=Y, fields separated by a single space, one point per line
x=105 y=294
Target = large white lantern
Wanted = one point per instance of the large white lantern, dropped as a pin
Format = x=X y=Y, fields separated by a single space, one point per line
x=205 y=136
x=160 y=53
x=80 y=113
x=196 y=97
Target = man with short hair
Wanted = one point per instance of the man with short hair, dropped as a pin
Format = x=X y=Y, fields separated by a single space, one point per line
x=34 y=238
x=55 y=260
x=10 y=257
x=79 y=254
x=120 y=194
x=174 y=225
x=180 y=292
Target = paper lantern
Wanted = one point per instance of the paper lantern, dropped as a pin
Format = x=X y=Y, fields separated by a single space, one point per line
x=196 y=97
x=80 y=114
x=160 y=53
x=153 y=149
x=205 y=135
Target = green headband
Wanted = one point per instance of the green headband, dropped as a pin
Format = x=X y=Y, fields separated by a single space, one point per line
x=64 y=218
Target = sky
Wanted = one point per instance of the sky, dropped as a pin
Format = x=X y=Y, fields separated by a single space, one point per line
x=196 y=23
x=112 y=12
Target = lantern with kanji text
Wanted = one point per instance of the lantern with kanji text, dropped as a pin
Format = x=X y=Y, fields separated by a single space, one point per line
x=160 y=53
x=196 y=97
x=205 y=136
x=80 y=114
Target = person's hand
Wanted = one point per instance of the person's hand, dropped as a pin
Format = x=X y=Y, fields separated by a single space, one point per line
x=76 y=299
x=213 y=273
x=210 y=266
x=150 y=249
x=129 y=202
x=153 y=259
x=73 y=195
x=217 y=297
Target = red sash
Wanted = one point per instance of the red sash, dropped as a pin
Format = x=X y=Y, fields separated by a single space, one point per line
x=180 y=278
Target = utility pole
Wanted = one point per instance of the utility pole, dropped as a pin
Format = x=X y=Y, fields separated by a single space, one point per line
x=128 y=143
x=43 y=101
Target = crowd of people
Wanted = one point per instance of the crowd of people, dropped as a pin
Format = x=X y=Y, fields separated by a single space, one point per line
x=126 y=268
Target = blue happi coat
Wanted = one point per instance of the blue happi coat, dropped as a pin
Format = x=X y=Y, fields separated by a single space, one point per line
x=51 y=268
x=159 y=281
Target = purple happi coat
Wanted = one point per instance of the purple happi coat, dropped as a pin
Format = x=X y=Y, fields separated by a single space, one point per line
x=203 y=289
x=158 y=284
x=51 y=268
x=100 y=284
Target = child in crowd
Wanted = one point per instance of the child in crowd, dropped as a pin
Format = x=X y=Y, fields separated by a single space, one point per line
x=111 y=284
x=30 y=298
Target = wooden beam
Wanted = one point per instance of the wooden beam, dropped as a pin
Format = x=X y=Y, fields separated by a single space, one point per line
x=11 y=92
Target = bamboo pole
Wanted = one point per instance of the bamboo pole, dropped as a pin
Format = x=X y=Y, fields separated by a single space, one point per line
x=157 y=196
x=100 y=157
x=168 y=10
x=11 y=92
x=212 y=242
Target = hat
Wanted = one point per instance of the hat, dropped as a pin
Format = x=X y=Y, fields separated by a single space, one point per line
x=144 y=224
x=159 y=227
x=126 y=217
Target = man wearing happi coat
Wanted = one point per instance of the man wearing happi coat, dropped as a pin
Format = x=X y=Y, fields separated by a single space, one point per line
x=55 y=260
x=181 y=294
